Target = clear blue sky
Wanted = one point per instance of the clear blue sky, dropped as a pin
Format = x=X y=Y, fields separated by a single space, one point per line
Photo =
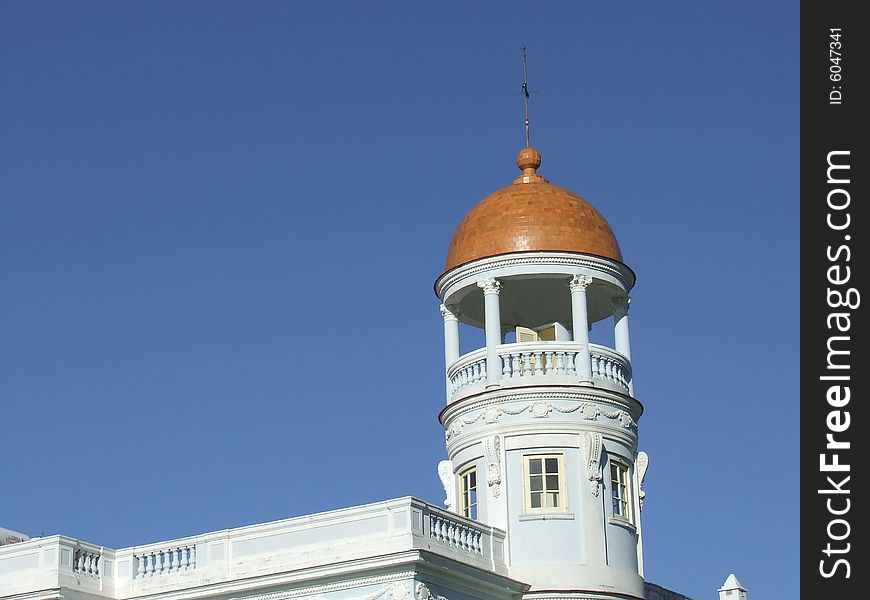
x=221 y=223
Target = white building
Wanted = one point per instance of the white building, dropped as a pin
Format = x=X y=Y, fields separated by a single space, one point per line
x=543 y=479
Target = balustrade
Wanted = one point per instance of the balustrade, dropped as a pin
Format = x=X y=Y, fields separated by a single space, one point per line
x=165 y=561
x=86 y=562
x=531 y=362
x=454 y=533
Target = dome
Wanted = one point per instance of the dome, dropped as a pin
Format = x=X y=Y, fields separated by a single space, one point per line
x=531 y=214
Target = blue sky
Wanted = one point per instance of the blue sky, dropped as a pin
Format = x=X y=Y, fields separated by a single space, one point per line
x=221 y=223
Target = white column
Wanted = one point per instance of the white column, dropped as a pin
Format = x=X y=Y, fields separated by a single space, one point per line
x=580 y=318
x=619 y=306
x=493 y=330
x=451 y=342
x=451 y=335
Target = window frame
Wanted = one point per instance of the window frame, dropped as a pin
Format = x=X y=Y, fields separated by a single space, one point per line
x=623 y=487
x=561 y=490
x=469 y=495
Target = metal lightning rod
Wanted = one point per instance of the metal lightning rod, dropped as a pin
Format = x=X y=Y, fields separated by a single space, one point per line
x=526 y=99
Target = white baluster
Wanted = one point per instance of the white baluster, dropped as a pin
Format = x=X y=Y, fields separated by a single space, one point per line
x=560 y=363
x=527 y=363
x=192 y=557
x=551 y=362
x=539 y=363
x=172 y=559
x=140 y=568
x=506 y=367
x=483 y=370
x=515 y=364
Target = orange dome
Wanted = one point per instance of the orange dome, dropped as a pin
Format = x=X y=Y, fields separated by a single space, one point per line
x=531 y=214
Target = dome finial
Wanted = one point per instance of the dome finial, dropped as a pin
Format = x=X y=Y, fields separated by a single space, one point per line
x=528 y=160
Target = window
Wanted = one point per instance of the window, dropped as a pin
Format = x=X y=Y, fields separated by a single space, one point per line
x=468 y=490
x=545 y=483
x=620 y=490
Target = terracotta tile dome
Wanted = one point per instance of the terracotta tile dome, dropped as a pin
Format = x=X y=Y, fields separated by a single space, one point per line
x=531 y=214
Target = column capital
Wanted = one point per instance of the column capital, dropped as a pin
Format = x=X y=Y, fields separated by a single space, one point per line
x=579 y=283
x=619 y=305
x=449 y=314
x=490 y=286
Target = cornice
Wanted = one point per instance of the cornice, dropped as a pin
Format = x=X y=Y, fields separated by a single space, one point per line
x=569 y=260
x=395 y=586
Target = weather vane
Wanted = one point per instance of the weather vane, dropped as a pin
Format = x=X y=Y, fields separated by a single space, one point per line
x=526 y=99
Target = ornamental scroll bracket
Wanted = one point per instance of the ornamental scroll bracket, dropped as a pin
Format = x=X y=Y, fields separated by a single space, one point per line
x=492 y=448
x=592 y=446
x=642 y=463
x=445 y=474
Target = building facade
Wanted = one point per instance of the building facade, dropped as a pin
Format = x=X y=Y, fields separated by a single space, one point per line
x=543 y=477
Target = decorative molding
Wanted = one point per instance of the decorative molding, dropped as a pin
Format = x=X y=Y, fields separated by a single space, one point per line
x=641 y=464
x=489 y=286
x=422 y=592
x=565 y=597
x=539 y=410
x=399 y=590
x=492 y=448
x=615 y=269
x=592 y=446
x=505 y=395
x=579 y=283
x=448 y=480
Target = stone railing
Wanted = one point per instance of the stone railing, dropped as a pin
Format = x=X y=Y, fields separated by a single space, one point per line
x=538 y=363
x=463 y=535
x=610 y=366
x=163 y=561
x=307 y=543
x=86 y=562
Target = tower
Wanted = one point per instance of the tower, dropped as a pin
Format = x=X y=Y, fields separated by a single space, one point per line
x=731 y=589
x=541 y=424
